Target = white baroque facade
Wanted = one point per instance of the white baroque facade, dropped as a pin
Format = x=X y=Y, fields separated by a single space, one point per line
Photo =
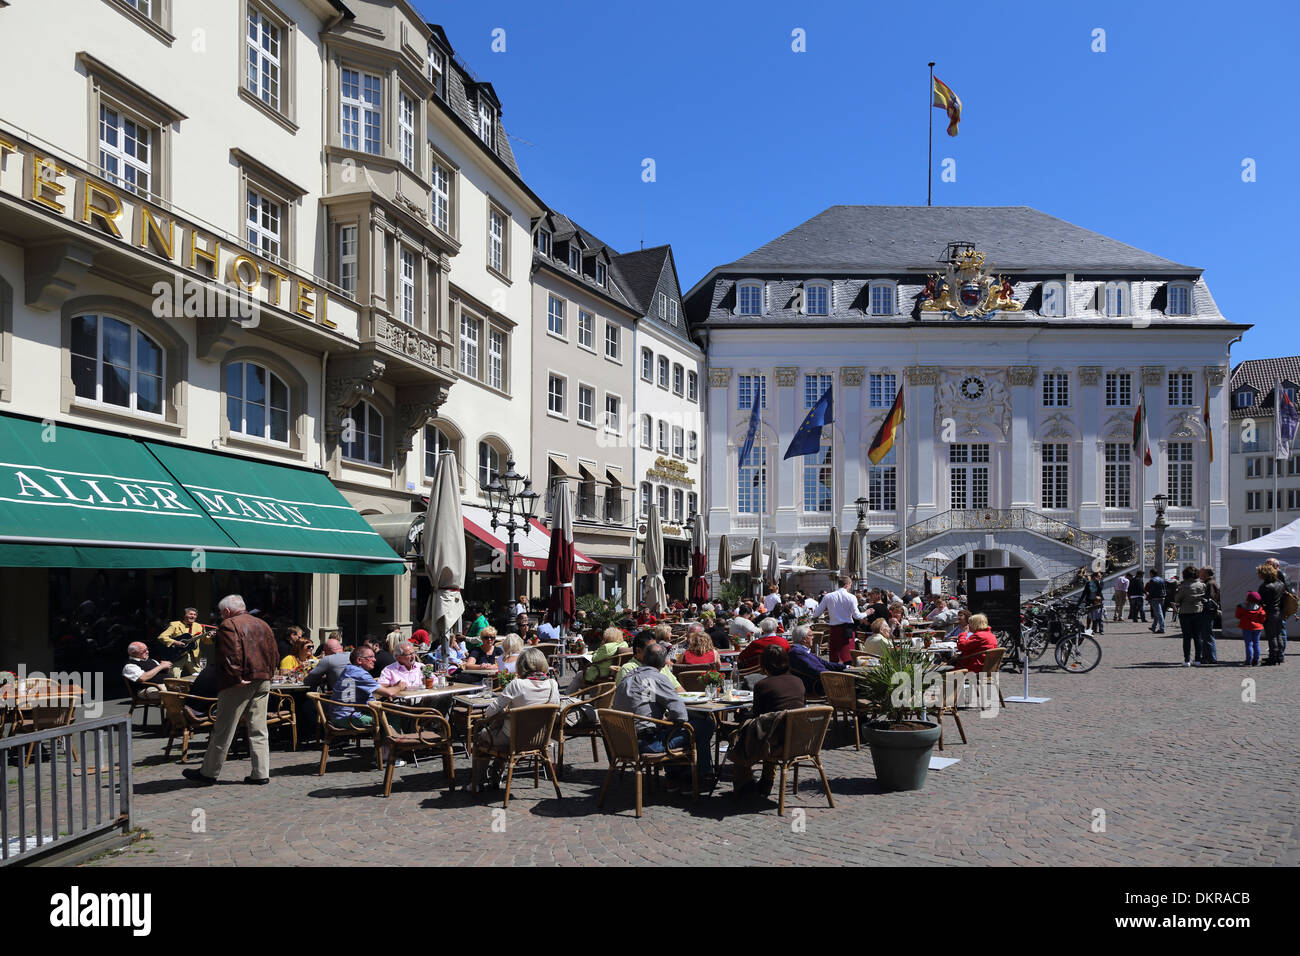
x=1019 y=423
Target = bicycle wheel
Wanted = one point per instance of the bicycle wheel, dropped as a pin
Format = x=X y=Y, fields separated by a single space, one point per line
x=1011 y=655
x=1078 y=654
x=1035 y=641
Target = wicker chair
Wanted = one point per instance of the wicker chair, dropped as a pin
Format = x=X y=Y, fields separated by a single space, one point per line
x=136 y=689
x=530 y=737
x=432 y=732
x=805 y=732
x=992 y=665
x=281 y=712
x=842 y=695
x=946 y=700
x=56 y=710
x=619 y=730
x=693 y=679
x=601 y=695
x=184 y=720
x=331 y=733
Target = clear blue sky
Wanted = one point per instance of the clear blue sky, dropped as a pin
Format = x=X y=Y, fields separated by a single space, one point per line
x=1143 y=142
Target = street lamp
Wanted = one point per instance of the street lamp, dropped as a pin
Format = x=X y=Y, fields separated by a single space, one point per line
x=513 y=494
x=1160 y=501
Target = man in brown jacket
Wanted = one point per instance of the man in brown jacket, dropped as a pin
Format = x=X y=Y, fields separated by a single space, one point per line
x=245 y=659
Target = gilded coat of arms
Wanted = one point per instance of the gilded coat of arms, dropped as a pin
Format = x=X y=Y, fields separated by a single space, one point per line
x=966 y=290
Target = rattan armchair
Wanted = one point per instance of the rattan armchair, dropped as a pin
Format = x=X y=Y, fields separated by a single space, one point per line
x=842 y=695
x=619 y=730
x=138 y=691
x=281 y=712
x=330 y=733
x=805 y=732
x=431 y=732
x=596 y=697
x=992 y=665
x=943 y=700
x=186 y=720
x=530 y=737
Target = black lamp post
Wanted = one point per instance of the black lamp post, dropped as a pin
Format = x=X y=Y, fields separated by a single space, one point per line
x=511 y=493
x=1160 y=525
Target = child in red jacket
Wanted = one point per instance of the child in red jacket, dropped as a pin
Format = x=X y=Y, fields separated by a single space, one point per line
x=1251 y=618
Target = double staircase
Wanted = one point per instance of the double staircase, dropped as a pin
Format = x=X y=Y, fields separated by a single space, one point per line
x=1058 y=545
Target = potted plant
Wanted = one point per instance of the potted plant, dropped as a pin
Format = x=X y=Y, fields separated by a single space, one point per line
x=429 y=671
x=599 y=614
x=713 y=681
x=901 y=739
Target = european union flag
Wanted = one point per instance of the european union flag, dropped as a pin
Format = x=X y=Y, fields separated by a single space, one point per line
x=808 y=439
x=746 y=448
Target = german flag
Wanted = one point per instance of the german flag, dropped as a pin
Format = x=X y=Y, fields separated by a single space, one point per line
x=884 y=439
x=946 y=99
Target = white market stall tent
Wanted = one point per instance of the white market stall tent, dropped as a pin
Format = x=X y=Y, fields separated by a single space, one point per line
x=1237 y=569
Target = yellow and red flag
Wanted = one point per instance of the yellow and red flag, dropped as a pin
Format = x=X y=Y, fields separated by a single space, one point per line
x=884 y=439
x=946 y=99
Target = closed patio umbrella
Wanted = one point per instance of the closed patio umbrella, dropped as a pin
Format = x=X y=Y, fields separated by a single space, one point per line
x=699 y=562
x=724 y=560
x=756 y=566
x=560 y=605
x=853 y=564
x=773 y=572
x=655 y=597
x=444 y=550
x=833 y=551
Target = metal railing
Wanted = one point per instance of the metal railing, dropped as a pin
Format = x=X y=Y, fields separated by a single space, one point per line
x=46 y=807
x=989 y=519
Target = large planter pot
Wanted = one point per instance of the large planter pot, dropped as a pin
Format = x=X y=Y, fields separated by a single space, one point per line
x=902 y=757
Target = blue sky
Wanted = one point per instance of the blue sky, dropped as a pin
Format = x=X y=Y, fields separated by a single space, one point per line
x=1143 y=142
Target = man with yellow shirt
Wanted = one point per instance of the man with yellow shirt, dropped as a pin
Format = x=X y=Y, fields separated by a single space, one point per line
x=178 y=633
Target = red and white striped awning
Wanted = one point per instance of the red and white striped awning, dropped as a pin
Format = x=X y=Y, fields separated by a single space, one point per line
x=531 y=548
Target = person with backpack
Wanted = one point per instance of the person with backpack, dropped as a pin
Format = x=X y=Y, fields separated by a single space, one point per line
x=1156 y=589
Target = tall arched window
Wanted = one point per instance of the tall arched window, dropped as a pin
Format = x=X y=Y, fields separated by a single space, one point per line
x=257 y=402
x=489 y=464
x=115 y=363
x=365 y=426
x=436 y=441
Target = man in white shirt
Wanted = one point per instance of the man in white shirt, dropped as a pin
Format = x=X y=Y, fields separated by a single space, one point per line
x=771 y=600
x=742 y=626
x=810 y=603
x=942 y=614
x=548 y=632
x=842 y=607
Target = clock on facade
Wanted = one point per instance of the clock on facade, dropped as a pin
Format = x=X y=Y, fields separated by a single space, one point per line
x=972 y=387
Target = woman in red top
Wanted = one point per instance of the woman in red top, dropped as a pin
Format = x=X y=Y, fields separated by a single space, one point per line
x=700 y=649
x=972 y=647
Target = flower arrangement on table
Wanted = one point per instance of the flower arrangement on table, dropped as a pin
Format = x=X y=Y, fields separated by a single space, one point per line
x=714 y=677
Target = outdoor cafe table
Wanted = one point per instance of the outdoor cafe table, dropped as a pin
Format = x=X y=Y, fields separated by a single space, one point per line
x=715 y=709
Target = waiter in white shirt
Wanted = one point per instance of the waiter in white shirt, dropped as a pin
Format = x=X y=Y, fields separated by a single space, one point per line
x=772 y=600
x=842 y=607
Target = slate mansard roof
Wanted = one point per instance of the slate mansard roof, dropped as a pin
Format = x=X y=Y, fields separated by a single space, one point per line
x=1262 y=375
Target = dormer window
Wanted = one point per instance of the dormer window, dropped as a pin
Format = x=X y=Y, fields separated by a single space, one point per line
x=882 y=298
x=817 y=298
x=435 y=65
x=487 y=121
x=1243 y=398
x=749 y=298
x=575 y=257
x=1178 y=298
x=1053 y=300
x=600 y=274
x=1114 y=299
x=544 y=242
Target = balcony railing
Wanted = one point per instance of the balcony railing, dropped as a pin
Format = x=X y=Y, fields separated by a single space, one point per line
x=607 y=505
x=990 y=519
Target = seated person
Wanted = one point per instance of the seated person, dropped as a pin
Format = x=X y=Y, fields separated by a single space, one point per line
x=455 y=654
x=383 y=656
x=477 y=624
x=718 y=632
x=699 y=648
x=639 y=643
x=972 y=647
x=420 y=638
x=602 y=659
x=742 y=625
x=140 y=667
x=329 y=669
x=532 y=685
x=778 y=691
x=405 y=673
x=356 y=686
x=943 y=615
x=206 y=684
x=881 y=637
x=301 y=654
x=485 y=659
x=960 y=626
x=647 y=692
x=767 y=637
x=806 y=665
x=511 y=646
x=548 y=633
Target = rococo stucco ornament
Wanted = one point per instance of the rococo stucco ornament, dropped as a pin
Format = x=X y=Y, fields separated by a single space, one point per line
x=965 y=289
x=977 y=400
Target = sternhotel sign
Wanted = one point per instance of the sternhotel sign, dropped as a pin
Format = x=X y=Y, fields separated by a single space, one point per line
x=75 y=195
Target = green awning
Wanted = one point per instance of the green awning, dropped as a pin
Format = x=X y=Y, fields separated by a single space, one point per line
x=70 y=497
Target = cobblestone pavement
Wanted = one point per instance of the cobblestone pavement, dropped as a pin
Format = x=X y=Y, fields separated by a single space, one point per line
x=1185 y=767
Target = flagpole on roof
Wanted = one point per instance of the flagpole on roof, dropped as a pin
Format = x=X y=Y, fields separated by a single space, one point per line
x=902 y=454
x=929 y=150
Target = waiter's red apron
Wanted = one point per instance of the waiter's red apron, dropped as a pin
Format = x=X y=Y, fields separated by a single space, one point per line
x=841 y=642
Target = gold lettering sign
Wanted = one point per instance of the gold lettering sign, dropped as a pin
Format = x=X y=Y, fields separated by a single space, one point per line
x=109 y=215
x=45 y=186
x=236 y=277
x=151 y=234
x=276 y=278
x=305 y=300
x=212 y=257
